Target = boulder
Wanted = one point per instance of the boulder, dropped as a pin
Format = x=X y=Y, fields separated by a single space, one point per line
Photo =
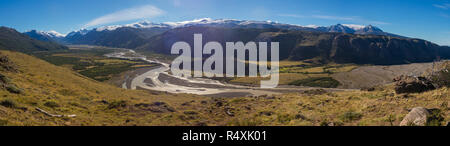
x=416 y=117
x=409 y=84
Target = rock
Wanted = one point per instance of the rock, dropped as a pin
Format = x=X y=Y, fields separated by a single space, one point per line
x=229 y=112
x=409 y=84
x=6 y=64
x=416 y=117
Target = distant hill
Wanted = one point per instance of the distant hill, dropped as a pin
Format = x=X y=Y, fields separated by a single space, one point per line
x=10 y=39
x=317 y=46
x=124 y=37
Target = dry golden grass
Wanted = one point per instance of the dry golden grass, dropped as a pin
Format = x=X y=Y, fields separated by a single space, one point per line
x=60 y=90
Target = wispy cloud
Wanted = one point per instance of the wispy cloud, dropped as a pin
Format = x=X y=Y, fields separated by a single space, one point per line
x=176 y=3
x=291 y=15
x=334 y=17
x=442 y=6
x=353 y=19
x=146 y=11
x=445 y=15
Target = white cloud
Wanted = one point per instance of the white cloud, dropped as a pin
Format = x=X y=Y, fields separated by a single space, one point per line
x=334 y=17
x=146 y=11
x=292 y=15
x=353 y=19
x=442 y=6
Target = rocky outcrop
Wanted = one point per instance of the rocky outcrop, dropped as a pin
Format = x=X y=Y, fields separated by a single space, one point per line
x=6 y=64
x=416 y=117
x=409 y=84
x=420 y=116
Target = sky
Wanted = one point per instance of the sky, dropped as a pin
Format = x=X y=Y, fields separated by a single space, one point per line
x=425 y=19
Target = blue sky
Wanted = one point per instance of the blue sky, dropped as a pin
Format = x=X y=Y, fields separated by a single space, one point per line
x=426 y=19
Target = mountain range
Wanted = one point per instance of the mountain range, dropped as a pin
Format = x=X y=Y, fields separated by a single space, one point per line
x=341 y=43
x=208 y=22
x=10 y=39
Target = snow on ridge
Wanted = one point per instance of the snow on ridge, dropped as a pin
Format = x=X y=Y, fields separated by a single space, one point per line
x=355 y=27
x=55 y=33
x=142 y=24
x=50 y=33
x=312 y=26
x=201 y=21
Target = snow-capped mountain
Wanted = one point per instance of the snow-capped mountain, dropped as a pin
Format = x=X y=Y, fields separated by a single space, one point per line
x=136 y=33
x=233 y=23
x=340 y=28
x=45 y=35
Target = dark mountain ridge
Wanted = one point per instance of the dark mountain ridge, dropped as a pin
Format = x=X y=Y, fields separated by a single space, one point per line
x=317 y=46
x=10 y=39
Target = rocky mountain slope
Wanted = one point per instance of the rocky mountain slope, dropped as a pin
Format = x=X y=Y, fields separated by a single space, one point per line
x=317 y=46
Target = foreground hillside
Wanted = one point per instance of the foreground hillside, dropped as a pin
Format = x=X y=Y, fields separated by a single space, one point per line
x=29 y=83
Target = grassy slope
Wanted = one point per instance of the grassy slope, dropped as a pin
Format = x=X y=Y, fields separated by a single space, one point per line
x=75 y=94
x=45 y=84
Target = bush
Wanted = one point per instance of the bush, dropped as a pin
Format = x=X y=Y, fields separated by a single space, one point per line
x=4 y=79
x=350 y=116
x=3 y=122
x=117 y=104
x=435 y=118
x=8 y=103
x=284 y=118
x=14 y=89
x=324 y=82
x=51 y=104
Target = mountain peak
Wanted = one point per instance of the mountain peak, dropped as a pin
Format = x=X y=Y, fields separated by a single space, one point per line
x=371 y=28
x=51 y=33
x=340 y=28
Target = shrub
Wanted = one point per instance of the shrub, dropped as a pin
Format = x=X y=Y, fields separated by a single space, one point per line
x=51 y=104
x=350 y=116
x=284 y=118
x=8 y=103
x=117 y=104
x=4 y=79
x=435 y=118
x=3 y=122
x=14 y=89
x=190 y=112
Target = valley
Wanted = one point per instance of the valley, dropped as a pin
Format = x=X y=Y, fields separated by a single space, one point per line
x=60 y=90
x=329 y=76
